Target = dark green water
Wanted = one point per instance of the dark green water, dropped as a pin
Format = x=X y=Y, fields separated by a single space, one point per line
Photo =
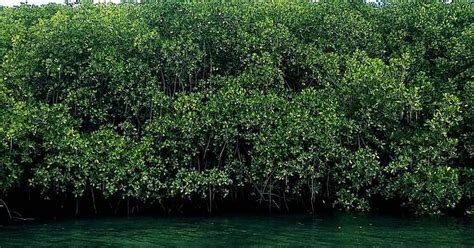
x=322 y=230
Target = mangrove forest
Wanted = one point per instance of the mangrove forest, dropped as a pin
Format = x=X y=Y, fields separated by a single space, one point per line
x=214 y=106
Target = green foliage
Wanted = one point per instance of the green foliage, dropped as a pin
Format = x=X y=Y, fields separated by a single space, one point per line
x=335 y=104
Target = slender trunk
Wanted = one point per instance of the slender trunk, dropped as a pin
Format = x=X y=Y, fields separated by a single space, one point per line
x=210 y=65
x=2 y=202
x=163 y=206
x=128 y=206
x=312 y=195
x=210 y=200
x=204 y=60
x=118 y=205
x=151 y=108
x=163 y=81
x=286 y=203
x=175 y=84
x=93 y=200
x=190 y=82
x=220 y=155
x=207 y=148
x=77 y=206
x=270 y=199
x=327 y=184
x=284 y=195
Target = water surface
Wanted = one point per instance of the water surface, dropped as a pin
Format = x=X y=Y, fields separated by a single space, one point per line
x=243 y=230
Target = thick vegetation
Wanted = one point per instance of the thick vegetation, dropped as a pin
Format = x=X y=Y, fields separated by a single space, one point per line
x=282 y=103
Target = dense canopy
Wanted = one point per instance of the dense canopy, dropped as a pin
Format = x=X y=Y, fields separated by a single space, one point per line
x=286 y=104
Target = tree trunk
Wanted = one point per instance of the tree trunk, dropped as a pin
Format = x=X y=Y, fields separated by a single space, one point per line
x=93 y=200
x=77 y=206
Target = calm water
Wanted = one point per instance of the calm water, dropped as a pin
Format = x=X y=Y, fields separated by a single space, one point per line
x=322 y=230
